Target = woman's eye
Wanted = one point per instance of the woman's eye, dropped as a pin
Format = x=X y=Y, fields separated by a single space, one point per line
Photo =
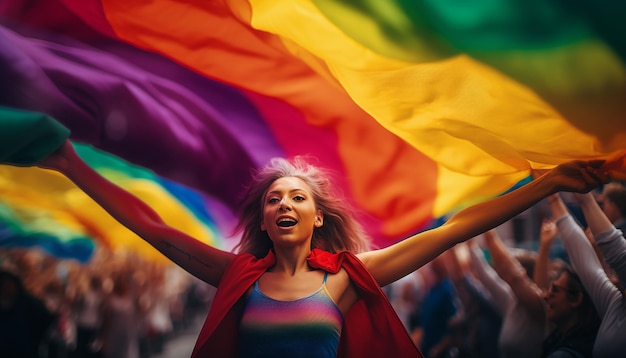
x=272 y=200
x=298 y=198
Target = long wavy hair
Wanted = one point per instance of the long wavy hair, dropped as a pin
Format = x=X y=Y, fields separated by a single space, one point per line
x=340 y=231
x=616 y=192
x=588 y=318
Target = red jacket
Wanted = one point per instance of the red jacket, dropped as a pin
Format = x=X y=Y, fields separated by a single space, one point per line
x=371 y=328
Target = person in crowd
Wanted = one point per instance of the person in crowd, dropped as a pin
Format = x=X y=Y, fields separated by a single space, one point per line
x=611 y=246
x=482 y=318
x=546 y=268
x=88 y=311
x=406 y=296
x=24 y=319
x=573 y=318
x=303 y=253
x=158 y=315
x=62 y=336
x=612 y=200
x=438 y=310
x=607 y=298
x=122 y=321
x=519 y=300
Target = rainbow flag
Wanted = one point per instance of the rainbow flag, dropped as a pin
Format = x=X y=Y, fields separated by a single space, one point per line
x=42 y=208
x=420 y=108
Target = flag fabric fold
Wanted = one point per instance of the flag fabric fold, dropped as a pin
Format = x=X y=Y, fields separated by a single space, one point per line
x=419 y=108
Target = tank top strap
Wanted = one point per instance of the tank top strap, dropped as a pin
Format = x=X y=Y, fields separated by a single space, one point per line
x=256 y=283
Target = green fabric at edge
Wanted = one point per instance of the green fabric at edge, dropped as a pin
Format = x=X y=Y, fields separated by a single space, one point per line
x=27 y=137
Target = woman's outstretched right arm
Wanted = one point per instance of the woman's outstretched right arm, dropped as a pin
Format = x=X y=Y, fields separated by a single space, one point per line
x=201 y=260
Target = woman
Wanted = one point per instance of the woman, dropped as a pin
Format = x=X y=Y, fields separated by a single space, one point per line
x=613 y=204
x=573 y=317
x=607 y=298
x=300 y=243
x=518 y=299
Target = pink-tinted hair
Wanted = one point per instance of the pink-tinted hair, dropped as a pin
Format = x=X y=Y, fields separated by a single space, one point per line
x=340 y=231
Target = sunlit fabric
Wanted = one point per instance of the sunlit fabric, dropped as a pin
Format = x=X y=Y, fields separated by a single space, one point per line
x=420 y=108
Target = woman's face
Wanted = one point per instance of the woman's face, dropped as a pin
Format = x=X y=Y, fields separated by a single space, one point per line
x=560 y=303
x=610 y=209
x=289 y=212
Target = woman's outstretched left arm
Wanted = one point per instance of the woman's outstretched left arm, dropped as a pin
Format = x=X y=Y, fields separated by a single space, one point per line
x=393 y=262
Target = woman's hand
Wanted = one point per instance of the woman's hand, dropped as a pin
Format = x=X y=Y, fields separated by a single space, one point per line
x=549 y=231
x=579 y=176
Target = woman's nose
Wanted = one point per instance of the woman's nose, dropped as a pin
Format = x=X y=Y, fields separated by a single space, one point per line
x=283 y=205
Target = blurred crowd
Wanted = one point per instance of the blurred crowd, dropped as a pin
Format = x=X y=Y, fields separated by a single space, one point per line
x=561 y=294
x=116 y=305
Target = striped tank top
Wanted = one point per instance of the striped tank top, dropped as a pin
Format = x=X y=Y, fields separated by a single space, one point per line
x=306 y=327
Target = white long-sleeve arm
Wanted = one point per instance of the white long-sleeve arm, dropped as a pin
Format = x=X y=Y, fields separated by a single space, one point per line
x=586 y=264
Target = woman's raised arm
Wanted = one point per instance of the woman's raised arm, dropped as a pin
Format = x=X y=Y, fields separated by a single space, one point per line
x=508 y=267
x=201 y=260
x=610 y=240
x=391 y=263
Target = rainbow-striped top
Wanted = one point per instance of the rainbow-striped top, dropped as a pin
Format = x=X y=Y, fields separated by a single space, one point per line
x=306 y=327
